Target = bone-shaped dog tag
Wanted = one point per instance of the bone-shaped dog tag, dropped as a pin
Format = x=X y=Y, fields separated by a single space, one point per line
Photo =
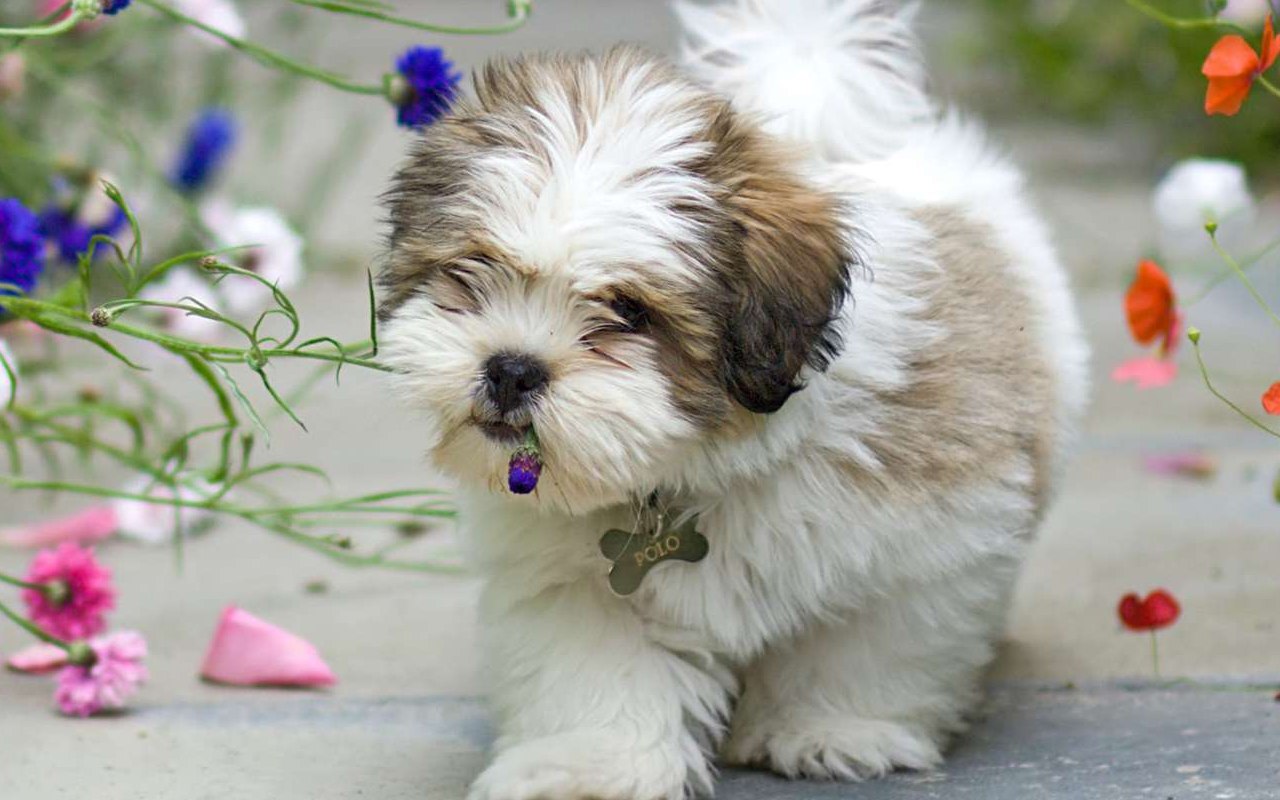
x=634 y=554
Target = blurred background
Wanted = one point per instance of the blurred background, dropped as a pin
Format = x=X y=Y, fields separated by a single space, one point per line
x=1095 y=100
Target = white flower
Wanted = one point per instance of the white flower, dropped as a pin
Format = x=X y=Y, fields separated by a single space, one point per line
x=1246 y=12
x=220 y=14
x=156 y=523
x=7 y=387
x=182 y=285
x=1197 y=192
x=277 y=256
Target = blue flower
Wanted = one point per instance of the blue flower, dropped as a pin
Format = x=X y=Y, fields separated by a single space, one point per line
x=432 y=86
x=71 y=236
x=209 y=141
x=114 y=7
x=21 y=247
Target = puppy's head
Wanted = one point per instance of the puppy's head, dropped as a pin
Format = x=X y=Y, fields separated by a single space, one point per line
x=597 y=247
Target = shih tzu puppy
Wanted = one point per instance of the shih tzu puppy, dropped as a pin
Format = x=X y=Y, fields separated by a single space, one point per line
x=800 y=368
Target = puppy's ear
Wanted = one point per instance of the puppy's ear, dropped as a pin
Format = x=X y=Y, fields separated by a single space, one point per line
x=790 y=276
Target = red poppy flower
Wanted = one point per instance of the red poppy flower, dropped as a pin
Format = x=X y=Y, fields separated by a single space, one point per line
x=1150 y=305
x=1271 y=400
x=1233 y=66
x=1158 y=610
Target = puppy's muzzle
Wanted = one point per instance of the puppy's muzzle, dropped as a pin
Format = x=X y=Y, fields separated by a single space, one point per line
x=513 y=381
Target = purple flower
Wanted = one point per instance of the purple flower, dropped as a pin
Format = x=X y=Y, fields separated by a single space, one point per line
x=210 y=139
x=113 y=7
x=429 y=86
x=21 y=247
x=523 y=471
x=72 y=236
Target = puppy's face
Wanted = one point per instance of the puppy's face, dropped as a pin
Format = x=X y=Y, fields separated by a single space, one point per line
x=604 y=251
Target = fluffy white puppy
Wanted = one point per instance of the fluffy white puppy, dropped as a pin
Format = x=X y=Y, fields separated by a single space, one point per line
x=774 y=293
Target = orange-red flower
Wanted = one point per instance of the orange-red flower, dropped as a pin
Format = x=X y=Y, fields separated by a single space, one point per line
x=1151 y=305
x=1233 y=66
x=1271 y=400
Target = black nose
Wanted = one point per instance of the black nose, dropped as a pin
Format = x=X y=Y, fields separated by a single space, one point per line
x=511 y=379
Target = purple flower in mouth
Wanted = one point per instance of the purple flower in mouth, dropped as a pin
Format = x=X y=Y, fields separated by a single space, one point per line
x=525 y=466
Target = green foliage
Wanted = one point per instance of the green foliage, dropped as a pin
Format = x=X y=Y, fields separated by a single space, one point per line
x=1103 y=61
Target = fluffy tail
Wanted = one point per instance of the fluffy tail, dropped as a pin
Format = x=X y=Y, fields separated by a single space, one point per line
x=843 y=75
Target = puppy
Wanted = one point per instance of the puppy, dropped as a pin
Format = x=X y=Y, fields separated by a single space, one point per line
x=772 y=299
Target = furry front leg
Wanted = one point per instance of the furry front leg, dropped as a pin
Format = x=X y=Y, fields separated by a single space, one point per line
x=882 y=689
x=588 y=705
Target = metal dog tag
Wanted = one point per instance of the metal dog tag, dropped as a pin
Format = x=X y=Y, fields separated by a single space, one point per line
x=634 y=554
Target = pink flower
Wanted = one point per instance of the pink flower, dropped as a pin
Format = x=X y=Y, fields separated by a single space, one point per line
x=247 y=651
x=1147 y=372
x=77 y=595
x=114 y=673
x=91 y=525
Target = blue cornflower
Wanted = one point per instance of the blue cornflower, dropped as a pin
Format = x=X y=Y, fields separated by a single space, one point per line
x=114 y=7
x=71 y=236
x=428 y=89
x=21 y=247
x=210 y=139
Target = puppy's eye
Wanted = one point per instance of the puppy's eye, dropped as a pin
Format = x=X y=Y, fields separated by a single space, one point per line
x=632 y=314
x=453 y=291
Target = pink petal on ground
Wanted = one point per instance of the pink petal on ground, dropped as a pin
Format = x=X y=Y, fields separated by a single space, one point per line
x=1148 y=373
x=91 y=525
x=37 y=659
x=1182 y=465
x=247 y=651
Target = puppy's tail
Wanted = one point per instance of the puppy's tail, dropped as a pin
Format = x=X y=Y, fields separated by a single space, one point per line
x=845 y=76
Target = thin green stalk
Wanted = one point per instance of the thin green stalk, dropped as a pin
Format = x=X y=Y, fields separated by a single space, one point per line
x=1208 y=382
x=266 y=57
x=33 y=629
x=1248 y=284
x=1268 y=85
x=1217 y=280
x=1155 y=655
x=55 y=29
x=518 y=11
x=1184 y=23
x=21 y=584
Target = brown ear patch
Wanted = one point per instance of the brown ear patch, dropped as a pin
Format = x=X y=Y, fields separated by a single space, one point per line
x=788 y=273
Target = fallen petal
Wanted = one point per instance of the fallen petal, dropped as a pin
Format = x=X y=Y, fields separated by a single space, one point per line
x=247 y=651
x=91 y=525
x=1148 y=373
x=37 y=659
x=1197 y=466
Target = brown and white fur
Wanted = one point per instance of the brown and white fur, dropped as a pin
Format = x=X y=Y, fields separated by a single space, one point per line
x=783 y=292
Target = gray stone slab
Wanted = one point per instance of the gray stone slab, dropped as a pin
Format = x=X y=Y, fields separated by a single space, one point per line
x=1103 y=743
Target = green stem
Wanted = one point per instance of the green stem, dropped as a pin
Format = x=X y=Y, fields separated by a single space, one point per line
x=1204 y=374
x=1268 y=85
x=1217 y=280
x=21 y=584
x=266 y=57
x=518 y=11
x=1248 y=284
x=55 y=29
x=1183 y=23
x=33 y=629
x=1155 y=655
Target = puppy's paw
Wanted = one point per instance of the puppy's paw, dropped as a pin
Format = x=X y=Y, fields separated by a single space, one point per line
x=833 y=748
x=576 y=767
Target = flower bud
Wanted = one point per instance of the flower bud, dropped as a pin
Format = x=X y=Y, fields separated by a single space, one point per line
x=101 y=317
x=1194 y=335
